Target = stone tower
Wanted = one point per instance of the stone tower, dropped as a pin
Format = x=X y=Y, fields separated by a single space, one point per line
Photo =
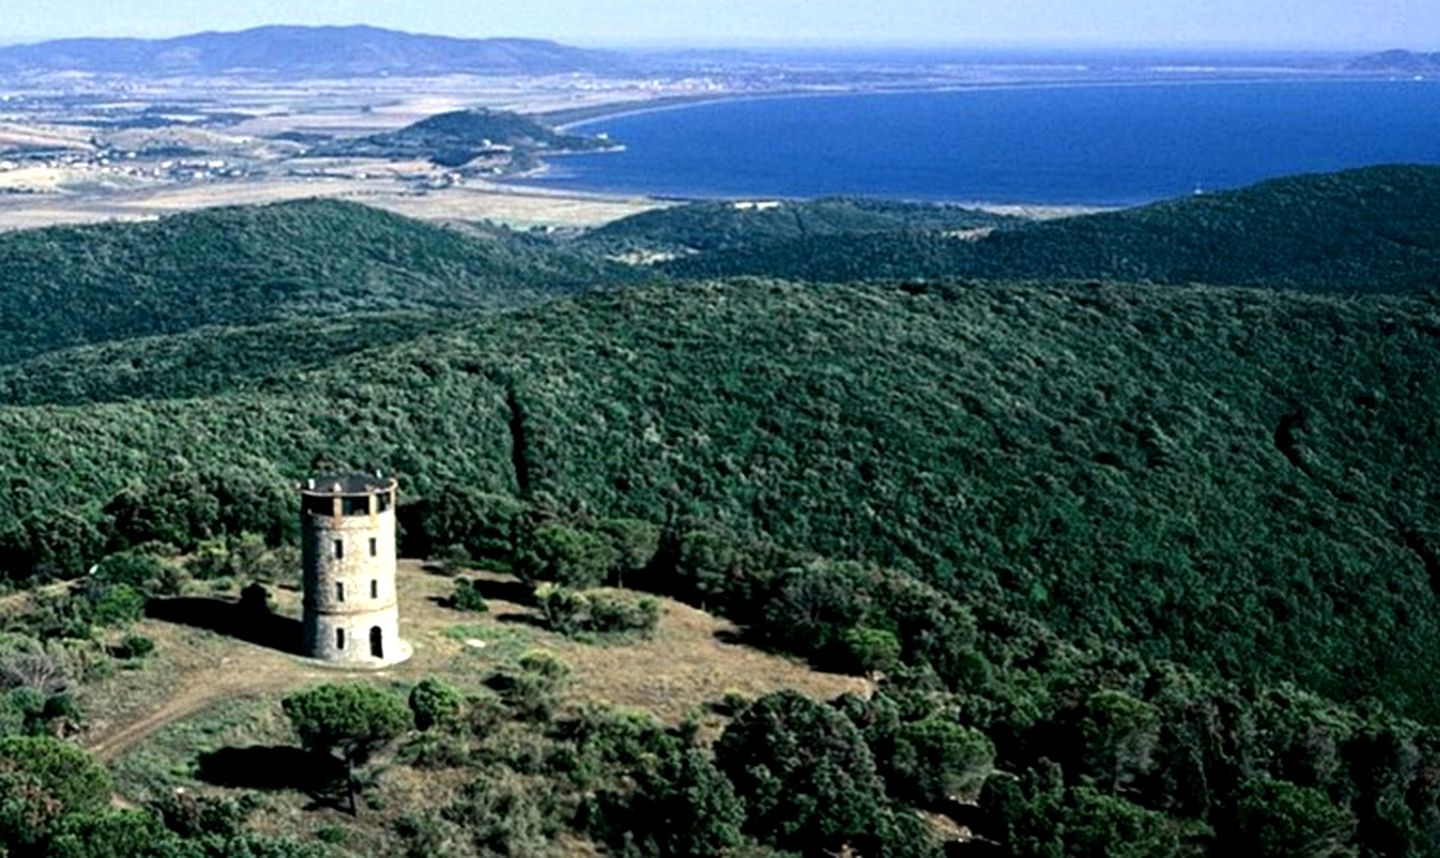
x=347 y=531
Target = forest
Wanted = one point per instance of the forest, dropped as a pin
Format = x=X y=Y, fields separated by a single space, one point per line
x=1137 y=569
x=1369 y=230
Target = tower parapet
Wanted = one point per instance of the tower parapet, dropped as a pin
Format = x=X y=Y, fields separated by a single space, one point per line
x=347 y=528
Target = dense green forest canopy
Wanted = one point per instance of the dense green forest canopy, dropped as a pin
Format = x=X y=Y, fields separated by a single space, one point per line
x=1145 y=570
x=703 y=227
x=1370 y=230
x=66 y=286
x=1232 y=479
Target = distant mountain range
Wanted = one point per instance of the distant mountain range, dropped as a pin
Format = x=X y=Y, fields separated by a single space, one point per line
x=1398 y=61
x=308 y=51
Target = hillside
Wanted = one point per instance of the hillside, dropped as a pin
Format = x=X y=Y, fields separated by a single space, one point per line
x=454 y=139
x=704 y=227
x=1370 y=230
x=1112 y=459
x=71 y=285
x=1132 y=545
x=308 y=52
x=1397 y=61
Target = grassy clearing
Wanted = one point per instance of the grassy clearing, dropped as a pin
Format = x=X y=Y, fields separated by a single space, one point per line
x=201 y=693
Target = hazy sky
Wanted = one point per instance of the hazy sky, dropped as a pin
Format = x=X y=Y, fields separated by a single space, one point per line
x=1076 y=23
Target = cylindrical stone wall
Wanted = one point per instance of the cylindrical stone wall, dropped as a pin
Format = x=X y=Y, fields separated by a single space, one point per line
x=348 y=552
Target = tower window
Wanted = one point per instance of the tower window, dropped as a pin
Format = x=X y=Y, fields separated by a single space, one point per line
x=339 y=549
x=339 y=591
x=374 y=589
x=339 y=638
x=374 y=546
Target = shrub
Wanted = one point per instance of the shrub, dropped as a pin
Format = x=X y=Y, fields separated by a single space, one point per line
x=570 y=613
x=115 y=605
x=544 y=663
x=565 y=610
x=501 y=818
x=133 y=647
x=436 y=751
x=615 y=614
x=333 y=834
x=466 y=597
x=195 y=816
x=733 y=702
x=434 y=703
x=528 y=691
x=42 y=778
x=131 y=568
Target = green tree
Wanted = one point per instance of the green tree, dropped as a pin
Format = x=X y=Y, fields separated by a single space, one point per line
x=109 y=834
x=704 y=559
x=353 y=721
x=681 y=806
x=636 y=544
x=1120 y=734
x=869 y=650
x=806 y=775
x=476 y=522
x=937 y=760
x=1276 y=818
x=41 y=779
x=566 y=556
x=1036 y=816
x=434 y=702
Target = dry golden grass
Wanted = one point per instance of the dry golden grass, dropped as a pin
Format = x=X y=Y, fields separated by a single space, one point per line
x=201 y=691
x=689 y=662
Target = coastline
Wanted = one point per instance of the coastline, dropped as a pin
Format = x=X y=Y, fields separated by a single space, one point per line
x=550 y=176
x=566 y=120
x=516 y=185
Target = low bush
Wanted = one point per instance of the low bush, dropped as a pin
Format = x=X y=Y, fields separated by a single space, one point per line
x=596 y=612
x=467 y=597
x=133 y=647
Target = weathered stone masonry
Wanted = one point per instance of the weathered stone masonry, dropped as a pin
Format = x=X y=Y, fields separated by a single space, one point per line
x=348 y=548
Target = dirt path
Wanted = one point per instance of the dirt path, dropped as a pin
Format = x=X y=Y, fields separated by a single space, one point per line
x=199 y=692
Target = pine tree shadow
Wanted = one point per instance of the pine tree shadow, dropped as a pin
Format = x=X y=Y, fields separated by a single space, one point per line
x=269 y=768
x=513 y=591
x=249 y=619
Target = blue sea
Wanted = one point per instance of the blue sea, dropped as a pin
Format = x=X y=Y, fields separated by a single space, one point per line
x=1072 y=145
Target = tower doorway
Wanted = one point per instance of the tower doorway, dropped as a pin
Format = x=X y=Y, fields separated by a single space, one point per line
x=377 y=643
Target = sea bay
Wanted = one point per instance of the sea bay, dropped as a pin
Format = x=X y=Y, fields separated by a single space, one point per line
x=1104 y=145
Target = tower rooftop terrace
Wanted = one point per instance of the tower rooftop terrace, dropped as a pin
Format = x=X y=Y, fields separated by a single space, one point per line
x=348 y=485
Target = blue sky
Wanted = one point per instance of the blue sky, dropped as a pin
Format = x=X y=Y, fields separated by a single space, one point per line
x=1353 y=24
